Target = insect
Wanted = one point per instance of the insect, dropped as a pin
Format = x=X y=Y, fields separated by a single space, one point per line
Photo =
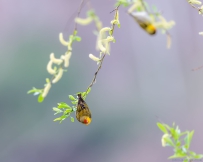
x=83 y=113
x=143 y=19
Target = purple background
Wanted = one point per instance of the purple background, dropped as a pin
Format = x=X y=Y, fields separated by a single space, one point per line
x=139 y=80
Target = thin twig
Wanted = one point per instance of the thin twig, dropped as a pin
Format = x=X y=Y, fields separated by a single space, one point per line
x=194 y=7
x=78 y=14
x=102 y=59
x=195 y=69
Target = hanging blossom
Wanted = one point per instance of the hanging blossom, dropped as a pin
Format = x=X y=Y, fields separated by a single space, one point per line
x=104 y=43
x=56 y=66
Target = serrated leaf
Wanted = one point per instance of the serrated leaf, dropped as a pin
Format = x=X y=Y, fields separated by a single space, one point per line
x=40 y=98
x=72 y=98
x=162 y=128
x=72 y=119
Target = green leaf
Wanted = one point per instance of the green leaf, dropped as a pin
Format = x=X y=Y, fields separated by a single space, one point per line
x=110 y=32
x=47 y=80
x=63 y=117
x=178 y=143
x=72 y=98
x=88 y=91
x=177 y=156
x=90 y=13
x=124 y=3
x=57 y=110
x=57 y=119
x=119 y=25
x=185 y=160
x=33 y=90
x=162 y=128
x=169 y=142
x=74 y=102
x=114 y=40
x=192 y=153
x=67 y=111
x=198 y=156
x=40 y=98
x=77 y=38
x=72 y=119
x=188 y=139
x=64 y=105
x=75 y=32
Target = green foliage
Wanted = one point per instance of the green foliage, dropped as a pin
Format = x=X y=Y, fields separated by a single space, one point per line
x=35 y=91
x=65 y=109
x=180 y=141
x=40 y=98
x=123 y=3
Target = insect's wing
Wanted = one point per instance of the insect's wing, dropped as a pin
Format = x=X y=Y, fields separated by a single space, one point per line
x=82 y=109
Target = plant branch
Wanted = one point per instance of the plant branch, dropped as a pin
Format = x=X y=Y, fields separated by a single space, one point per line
x=102 y=59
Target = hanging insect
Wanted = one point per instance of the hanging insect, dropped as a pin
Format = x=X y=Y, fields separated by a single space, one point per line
x=144 y=21
x=83 y=113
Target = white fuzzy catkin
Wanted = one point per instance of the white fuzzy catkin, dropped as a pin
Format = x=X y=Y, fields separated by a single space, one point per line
x=61 y=39
x=46 y=90
x=55 y=60
x=58 y=76
x=85 y=21
x=94 y=58
x=67 y=58
x=49 y=68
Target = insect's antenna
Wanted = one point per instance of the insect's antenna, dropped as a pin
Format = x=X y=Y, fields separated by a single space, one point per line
x=198 y=68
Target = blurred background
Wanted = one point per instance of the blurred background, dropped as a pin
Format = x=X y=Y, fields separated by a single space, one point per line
x=140 y=80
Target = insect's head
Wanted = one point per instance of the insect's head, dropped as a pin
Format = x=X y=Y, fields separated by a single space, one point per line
x=85 y=120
